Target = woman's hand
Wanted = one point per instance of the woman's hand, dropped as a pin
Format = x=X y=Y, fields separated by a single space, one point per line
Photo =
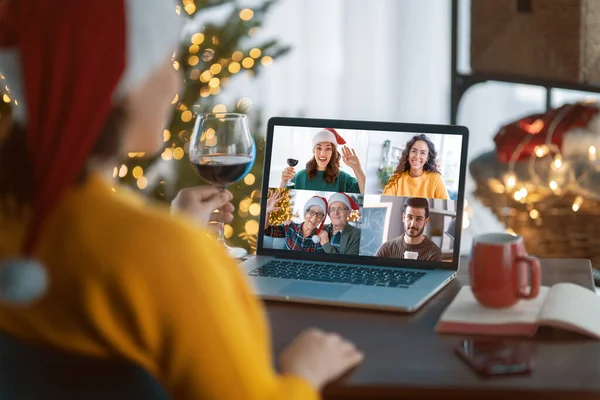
x=287 y=174
x=350 y=158
x=200 y=202
x=276 y=196
x=319 y=357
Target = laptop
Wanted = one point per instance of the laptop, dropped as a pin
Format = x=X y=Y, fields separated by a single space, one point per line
x=351 y=227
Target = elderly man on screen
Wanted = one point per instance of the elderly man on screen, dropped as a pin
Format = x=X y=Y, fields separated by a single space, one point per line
x=413 y=244
x=340 y=237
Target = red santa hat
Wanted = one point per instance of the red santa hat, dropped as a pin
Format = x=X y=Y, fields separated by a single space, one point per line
x=321 y=202
x=67 y=66
x=327 y=135
x=344 y=198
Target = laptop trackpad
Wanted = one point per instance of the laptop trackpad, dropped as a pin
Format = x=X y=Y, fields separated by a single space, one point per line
x=306 y=289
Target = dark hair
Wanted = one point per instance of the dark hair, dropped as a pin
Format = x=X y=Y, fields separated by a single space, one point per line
x=432 y=164
x=16 y=167
x=417 y=202
x=331 y=171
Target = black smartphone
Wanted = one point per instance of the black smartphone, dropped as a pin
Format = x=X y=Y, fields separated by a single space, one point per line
x=490 y=357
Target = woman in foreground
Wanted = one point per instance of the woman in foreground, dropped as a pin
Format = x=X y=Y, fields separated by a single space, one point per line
x=126 y=280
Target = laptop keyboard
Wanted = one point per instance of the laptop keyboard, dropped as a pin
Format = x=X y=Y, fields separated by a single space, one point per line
x=318 y=272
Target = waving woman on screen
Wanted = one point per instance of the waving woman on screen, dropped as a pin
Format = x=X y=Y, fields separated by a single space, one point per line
x=418 y=172
x=322 y=171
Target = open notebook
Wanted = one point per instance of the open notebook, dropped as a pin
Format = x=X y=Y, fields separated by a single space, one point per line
x=565 y=305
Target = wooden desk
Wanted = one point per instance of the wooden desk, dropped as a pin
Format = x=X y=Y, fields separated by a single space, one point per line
x=406 y=359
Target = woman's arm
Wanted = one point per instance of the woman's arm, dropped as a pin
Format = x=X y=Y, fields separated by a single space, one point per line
x=201 y=307
x=351 y=159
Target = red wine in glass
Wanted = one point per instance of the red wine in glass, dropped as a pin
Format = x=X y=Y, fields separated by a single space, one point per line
x=223 y=169
x=222 y=150
x=292 y=162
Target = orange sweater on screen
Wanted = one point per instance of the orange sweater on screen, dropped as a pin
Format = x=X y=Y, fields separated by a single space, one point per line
x=429 y=185
x=130 y=281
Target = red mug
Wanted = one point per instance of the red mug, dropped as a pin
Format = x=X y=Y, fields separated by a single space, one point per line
x=500 y=270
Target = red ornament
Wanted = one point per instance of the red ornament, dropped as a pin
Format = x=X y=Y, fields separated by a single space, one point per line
x=519 y=139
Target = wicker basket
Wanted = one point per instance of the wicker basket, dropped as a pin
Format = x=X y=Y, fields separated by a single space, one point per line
x=557 y=231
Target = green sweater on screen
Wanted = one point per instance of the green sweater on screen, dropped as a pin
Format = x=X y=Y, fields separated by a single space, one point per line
x=343 y=183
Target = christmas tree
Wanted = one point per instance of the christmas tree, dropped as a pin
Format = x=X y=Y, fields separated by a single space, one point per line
x=210 y=55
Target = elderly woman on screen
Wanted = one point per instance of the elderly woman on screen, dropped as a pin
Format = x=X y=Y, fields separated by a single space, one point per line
x=305 y=235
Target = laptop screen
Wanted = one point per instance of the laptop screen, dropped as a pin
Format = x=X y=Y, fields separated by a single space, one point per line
x=378 y=195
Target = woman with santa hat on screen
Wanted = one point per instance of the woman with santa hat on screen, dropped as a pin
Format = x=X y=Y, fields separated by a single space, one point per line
x=95 y=271
x=304 y=236
x=340 y=237
x=322 y=171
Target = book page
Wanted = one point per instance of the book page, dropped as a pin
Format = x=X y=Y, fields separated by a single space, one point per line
x=572 y=307
x=465 y=309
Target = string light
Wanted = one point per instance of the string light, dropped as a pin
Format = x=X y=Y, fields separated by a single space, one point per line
x=197 y=38
x=214 y=83
x=6 y=98
x=248 y=62
x=216 y=68
x=190 y=9
x=234 y=67
x=178 y=153
x=266 y=61
x=541 y=151
x=137 y=172
x=249 y=179
x=553 y=185
x=534 y=214
x=166 y=135
x=577 y=203
x=176 y=65
x=193 y=60
x=592 y=153
x=175 y=99
x=142 y=183
x=254 y=209
x=510 y=181
x=251 y=227
x=194 y=49
x=206 y=76
x=186 y=116
x=246 y=14
x=167 y=154
x=557 y=163
x=255 y=52
x=237 y=56
x=227 y=231
x=115 y=172
x=123 y=171
x=218 y=108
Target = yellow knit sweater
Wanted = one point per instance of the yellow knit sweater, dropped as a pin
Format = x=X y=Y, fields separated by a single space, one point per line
x=429 y=185
x=130 y=281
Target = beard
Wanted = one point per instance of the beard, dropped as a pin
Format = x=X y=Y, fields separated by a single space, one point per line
x=414 y=232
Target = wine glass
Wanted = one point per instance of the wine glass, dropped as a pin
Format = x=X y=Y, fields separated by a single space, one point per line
x=222 y=151
x=292 y=162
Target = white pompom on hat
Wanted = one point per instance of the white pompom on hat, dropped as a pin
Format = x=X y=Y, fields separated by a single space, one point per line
x=327 y=135
x=344 y=198
x=321 y=202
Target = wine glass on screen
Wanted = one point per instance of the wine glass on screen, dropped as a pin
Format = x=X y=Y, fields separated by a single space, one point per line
x=222 y=151
x=292 y=162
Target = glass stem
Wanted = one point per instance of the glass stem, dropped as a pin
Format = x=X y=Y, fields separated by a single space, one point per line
x=220 y=224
